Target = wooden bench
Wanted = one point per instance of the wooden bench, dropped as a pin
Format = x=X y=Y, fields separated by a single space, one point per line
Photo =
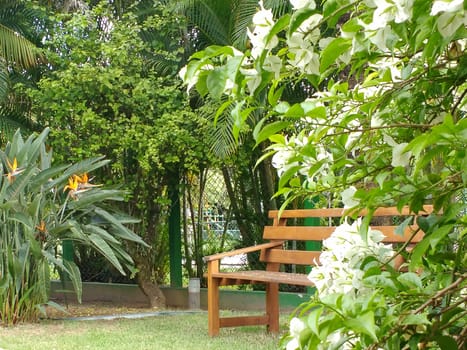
x=289 y=227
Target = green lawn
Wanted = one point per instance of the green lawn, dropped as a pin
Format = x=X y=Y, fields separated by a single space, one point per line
x=184 y=331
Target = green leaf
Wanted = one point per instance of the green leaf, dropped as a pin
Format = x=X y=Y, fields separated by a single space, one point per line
x=418 y=253
x=416 y=319
x=94 y=196
x=100 y=232
x=274 y=94
x=270 y=129
x=216 y=81
x=101 y=246
x=120 y=229
x=314 y=320
x=364 y=323
x=288 y=174
x=75 y=277
x=298 y=18
x=400 y=229
x=446 y=342
x=280 y=24
x=330 y=54
x=411 y=280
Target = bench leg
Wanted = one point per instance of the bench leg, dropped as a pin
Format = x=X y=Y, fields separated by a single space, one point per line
x=213 y=307
x=272 y=306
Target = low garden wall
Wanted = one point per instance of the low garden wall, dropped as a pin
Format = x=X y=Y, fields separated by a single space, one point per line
x=125 y=294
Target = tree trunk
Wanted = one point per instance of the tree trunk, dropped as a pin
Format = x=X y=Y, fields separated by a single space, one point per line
x=156 y=298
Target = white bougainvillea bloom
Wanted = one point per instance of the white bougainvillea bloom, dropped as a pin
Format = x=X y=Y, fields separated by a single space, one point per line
x=452 y=16
x=252 y=78
x=301 y=4
x=386 y=11
x=273 y=64
x=348 y=197
x=301 y=43
x=382 y=37
x=307 y=61
x=191 y=80
x=296 y=328
x=339 y=270
x=263 y=22
x=446 y=6
x=263 y=17
x=400 y=157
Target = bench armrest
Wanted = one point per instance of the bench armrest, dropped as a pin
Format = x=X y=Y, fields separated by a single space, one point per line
x=243 y=250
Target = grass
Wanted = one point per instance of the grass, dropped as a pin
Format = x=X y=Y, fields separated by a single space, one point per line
x=182 y=331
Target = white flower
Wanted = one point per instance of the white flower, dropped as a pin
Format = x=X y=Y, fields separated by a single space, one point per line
x=448 y=23
x=382 y=37
x=293 y=344
x=273 y=64
x=310 y=25
x=263 y=17
x=343 y=252
x=263 y=21
x=398 y=11
x=296 y=326
x=452 y=16
x=400 y=157
x=252 y=77
x=281 y=158
x=300 y=4
x=446 y=6
x=348 y=197
x=305 y=60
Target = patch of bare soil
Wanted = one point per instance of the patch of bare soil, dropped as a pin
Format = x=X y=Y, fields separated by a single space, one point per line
x=95 y=309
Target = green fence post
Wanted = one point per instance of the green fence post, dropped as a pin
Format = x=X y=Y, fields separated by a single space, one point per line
x=175 y=236
x=311 y=245
x=68 y=253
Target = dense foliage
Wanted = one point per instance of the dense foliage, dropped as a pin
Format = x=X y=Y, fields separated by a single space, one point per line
x=113 y=91
x=382 y=123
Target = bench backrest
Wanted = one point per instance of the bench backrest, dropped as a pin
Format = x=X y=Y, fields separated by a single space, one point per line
x=289 y=225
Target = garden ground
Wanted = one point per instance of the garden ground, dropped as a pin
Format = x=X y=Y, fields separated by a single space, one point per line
x=170 y=330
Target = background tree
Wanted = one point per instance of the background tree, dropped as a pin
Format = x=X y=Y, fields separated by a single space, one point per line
x=250 y=186
x=103 y=96
x=21 y=27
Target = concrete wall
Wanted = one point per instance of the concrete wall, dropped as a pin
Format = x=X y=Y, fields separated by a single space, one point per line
x=176 y=297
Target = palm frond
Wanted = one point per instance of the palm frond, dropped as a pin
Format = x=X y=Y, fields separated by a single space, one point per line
x=221 y=138
x=202 y=15
x=242 y=15
x=16 y=49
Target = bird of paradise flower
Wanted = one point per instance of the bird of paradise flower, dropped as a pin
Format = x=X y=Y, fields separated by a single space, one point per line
x=78 y=184
x=13 y=170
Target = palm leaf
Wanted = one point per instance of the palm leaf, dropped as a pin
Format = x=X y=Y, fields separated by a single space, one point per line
x=103 y=247
x=93 y=196
x=203 y=16
x=118 y=228
x=16 y=49
x=75 y=277
x=242 y=16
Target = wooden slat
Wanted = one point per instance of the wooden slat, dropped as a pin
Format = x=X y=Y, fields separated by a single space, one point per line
x=244 y=321
x=318 y=233
x=260 y=276
x=339 y=212
x=242 y=251
x=298 y=233
x=297 y=257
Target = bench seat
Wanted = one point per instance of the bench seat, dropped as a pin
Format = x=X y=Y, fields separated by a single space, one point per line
x=261 y=276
